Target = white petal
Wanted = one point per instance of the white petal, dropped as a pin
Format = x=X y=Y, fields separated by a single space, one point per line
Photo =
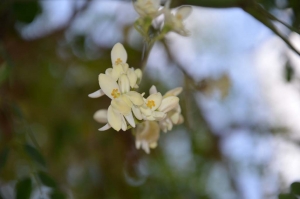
x=125 y=67
x=173 y=92
x=130 y=119
x=124 y=84
x=145 y=146
x=184 y=11
x=138 y=144
x=108 y=84
x=159 y=115
x=139 y=75
x=117 y=71
x=118 y=52
x=137 y=113
x=135 y=98
x=157 y=98
x=121 y=106
x=124 y=124
x=132 y=77
x=105 y=127
x=108 y=71
x=146 y=111
x=175 y=117
x=101 y=116
x=168 y=103
x=96 y=94
x=114 y=119
x=152 y=90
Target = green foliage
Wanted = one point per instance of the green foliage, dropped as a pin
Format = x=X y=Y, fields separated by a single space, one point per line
x=25 y=11
x=35 y=155
x=57 y=195
x=46 y=179
x=295 y=188
x=23 y=188
x=289 y=72
x=4 y=72
x=286 y=196
x=3 y=156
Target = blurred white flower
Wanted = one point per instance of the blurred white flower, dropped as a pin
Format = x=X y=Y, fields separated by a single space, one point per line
x=147 y=135
x=175 y=21
x=147 y=8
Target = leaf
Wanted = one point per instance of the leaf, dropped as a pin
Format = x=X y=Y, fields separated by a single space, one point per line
x=289 y=72
x=26 y=11
x=3 y=157
x=35 y=155
x=46 y=179
x=286 y=196
x=4 y=72
x=56 y=194
x=295 y=188
x=23 y=188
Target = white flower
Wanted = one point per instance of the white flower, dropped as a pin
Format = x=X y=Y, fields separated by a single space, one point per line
x=119 y=68
x=147 y=135
x=171 y=107
x=122 y=100
x=149 y=109
x=175 y=21
x=147 y=7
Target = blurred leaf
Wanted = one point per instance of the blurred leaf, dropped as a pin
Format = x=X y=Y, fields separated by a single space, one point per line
x=289 y=72
x=286 y=196
x=4 y=72
x=23 y=188
x=35 y=155
x=57 y=195
x=295 y=188
x=26 y=11
x=46 y=179
x=222 y=84
x=1 y=197
x=3 y=157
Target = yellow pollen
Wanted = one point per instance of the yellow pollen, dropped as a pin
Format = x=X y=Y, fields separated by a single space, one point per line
x=179 y=17
x=115 y=93
x=118 y=61
x=151 y=103
x=148 y=3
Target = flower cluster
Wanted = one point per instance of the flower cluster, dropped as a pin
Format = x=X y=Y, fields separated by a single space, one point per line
x=129 y=108
x=151 y=9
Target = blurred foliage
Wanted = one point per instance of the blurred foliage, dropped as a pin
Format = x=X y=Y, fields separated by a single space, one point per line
x=47 y=135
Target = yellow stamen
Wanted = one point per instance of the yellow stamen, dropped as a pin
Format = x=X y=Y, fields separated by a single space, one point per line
x=179 y=17
x=150 y=103
x=118 y=61
x=115 y=93
x=148 y=3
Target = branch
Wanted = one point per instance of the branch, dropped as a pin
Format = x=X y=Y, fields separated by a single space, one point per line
x=255 y=12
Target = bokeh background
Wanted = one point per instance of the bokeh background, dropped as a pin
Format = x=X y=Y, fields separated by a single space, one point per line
x=240 y=101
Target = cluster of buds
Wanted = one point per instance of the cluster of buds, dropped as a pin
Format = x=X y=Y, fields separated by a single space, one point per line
x=149 y=10
x=129 y=108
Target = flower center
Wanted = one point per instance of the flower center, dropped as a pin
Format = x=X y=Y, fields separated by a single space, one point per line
x=179 y=17
x=115 y=93
x=118 y=61
x=150 y=103
x=148 y=3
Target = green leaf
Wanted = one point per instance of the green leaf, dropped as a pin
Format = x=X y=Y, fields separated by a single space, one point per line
x=26 y=11
x=46 y=179
x=56 y=194
x=3 y=157
x=23 y=188
x=4 y=72
x=295 y=188
x=289 y=72
x=286 y=196
x=35 y=155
